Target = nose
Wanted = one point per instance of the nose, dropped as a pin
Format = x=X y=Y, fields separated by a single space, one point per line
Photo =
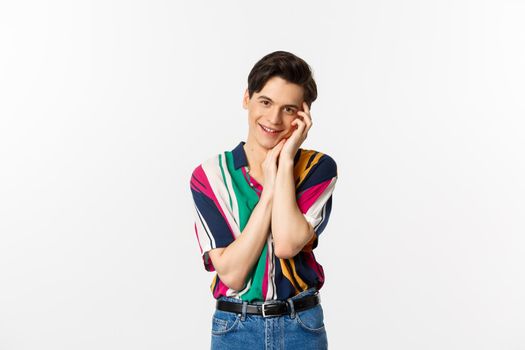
x=275 y=116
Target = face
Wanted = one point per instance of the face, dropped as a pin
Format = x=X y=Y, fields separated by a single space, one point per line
x=274 y=107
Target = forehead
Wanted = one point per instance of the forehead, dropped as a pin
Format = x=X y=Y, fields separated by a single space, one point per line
x=282 y=91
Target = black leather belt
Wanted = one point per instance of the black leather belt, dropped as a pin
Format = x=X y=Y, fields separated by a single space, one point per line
x=271 y=307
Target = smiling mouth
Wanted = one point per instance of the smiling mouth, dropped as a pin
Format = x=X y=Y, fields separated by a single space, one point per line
x=269 y=131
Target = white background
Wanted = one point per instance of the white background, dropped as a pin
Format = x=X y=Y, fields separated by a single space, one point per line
x=107 y=106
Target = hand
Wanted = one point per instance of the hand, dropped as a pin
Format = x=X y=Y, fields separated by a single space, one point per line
x=269 y=167
x=303 y=123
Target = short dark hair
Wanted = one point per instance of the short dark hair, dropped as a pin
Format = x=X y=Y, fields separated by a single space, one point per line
x=287 y=66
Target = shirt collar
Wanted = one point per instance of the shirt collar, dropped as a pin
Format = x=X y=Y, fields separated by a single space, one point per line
x=239 y=156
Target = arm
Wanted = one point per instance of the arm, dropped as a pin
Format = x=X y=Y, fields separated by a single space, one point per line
x=234 y=262
x=290 y=230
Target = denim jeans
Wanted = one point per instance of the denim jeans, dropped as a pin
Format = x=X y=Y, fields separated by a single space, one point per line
x=298 y=330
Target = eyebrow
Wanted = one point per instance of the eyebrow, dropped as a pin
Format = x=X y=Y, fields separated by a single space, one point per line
x=266 y=97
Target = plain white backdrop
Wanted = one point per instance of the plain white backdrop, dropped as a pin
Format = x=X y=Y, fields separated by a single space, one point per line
x=106 y=107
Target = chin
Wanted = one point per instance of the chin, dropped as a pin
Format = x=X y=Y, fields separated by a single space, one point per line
x=268 y=144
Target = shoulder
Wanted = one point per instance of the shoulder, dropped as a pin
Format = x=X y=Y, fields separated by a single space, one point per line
x=313 y=167
x=309 y=160
x=206 y=167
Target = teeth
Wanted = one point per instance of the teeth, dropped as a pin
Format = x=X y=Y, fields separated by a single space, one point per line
x=269 y=130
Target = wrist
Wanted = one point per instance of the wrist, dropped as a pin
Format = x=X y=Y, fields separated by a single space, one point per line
x=286 y=162
x=266 y=196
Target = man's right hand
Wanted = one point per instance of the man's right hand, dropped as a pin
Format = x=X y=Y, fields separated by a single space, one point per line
x=269 y=167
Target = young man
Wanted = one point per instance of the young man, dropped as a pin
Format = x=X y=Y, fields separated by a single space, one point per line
x=260 y=209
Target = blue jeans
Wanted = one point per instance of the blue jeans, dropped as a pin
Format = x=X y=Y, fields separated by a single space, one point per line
x=298 y=330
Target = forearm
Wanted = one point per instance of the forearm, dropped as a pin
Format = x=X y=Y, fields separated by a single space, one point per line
x=240 y=256
x=290 y=230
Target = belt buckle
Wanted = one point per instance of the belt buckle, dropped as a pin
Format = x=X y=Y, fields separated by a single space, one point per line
x=264 y=310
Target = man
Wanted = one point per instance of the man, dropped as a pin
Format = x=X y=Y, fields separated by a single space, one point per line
x=260 y=209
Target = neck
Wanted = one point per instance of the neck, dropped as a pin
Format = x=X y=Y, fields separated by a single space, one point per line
x=255 y=155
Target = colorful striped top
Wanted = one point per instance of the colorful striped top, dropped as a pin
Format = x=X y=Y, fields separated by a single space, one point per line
x=224 y=196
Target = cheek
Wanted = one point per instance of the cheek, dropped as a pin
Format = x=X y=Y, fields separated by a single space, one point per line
x=288 y=132
x=290 y=126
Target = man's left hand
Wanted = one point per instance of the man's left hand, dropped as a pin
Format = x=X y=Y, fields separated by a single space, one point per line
x=303 y=123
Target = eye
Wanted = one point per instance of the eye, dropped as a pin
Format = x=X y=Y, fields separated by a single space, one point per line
x=290 y=110
x=264 y=102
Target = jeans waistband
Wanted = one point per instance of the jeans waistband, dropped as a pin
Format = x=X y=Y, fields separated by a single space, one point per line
x=306 y=292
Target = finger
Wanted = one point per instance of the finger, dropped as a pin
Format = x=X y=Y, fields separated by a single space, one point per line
x=274 y=150
x=279 y=147
x=305 y=106
x=307 y=117
x=279 y=143
x=269 y=154
x=308 y=123
x=300 y=124
x=303 y=128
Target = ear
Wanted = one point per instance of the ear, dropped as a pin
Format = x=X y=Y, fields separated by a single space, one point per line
x=245 y=99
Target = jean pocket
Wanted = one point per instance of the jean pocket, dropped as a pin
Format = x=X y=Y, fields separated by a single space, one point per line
x=311 y=319
x=224 y=322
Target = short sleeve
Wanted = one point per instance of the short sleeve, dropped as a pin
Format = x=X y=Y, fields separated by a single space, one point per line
x=314 y=196
x=211 y=227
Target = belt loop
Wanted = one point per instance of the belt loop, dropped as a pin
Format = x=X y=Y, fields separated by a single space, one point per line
x=244 y=307
x=292 y=309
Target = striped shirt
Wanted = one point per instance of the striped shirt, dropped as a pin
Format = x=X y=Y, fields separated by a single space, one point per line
x=224 y=196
